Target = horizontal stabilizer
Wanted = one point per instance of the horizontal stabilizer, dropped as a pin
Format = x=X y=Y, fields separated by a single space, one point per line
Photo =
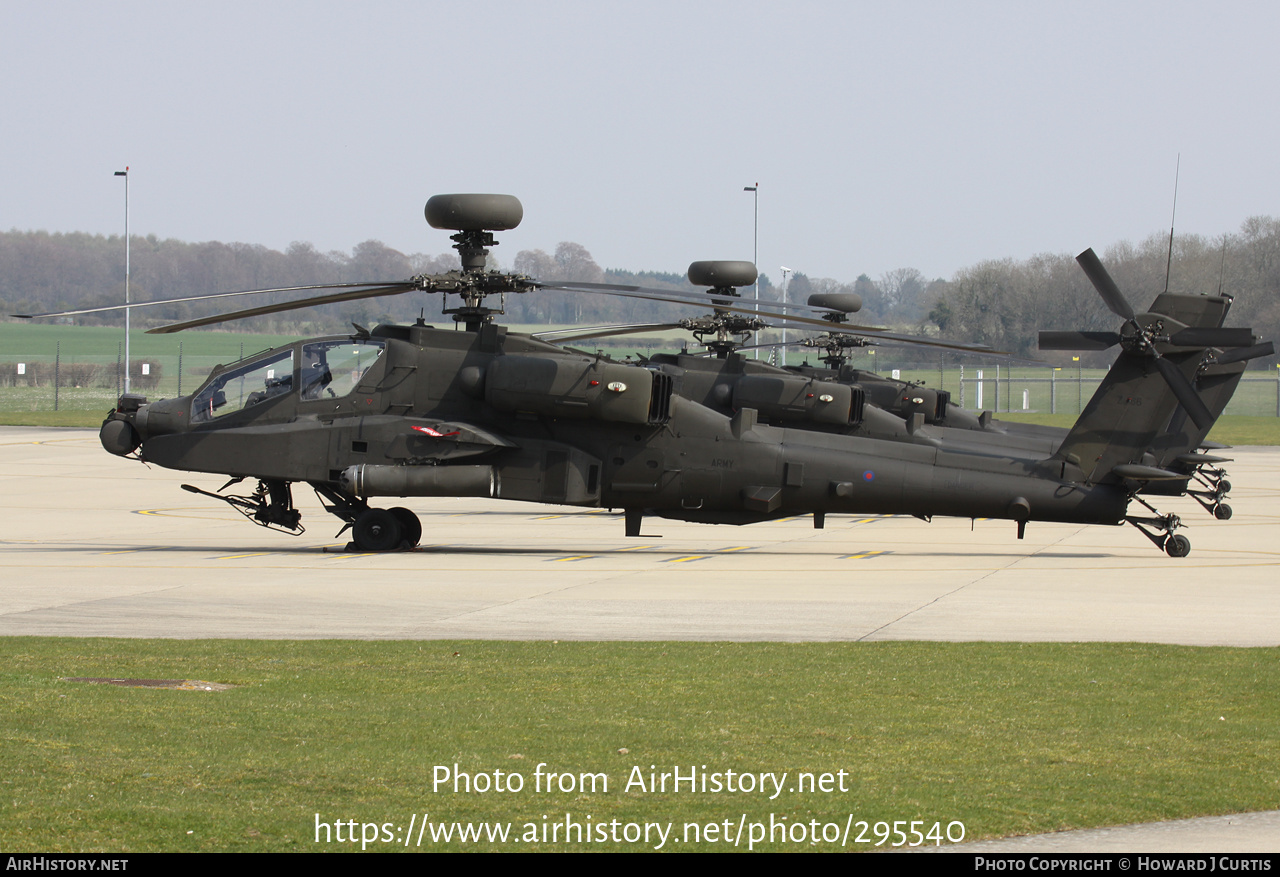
x=1201 y=459
x=1136 y=472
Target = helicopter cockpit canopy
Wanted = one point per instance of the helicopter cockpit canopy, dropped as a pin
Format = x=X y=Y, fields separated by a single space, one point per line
x=317 y=369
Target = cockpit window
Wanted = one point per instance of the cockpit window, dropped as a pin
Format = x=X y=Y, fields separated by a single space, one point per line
x=332 y=369
x=244 y=386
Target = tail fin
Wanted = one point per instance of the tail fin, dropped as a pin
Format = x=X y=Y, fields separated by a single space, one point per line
x=1136 y=416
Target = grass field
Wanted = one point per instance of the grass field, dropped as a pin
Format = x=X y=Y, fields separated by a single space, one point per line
x=1229 y=430
x=1004 y=738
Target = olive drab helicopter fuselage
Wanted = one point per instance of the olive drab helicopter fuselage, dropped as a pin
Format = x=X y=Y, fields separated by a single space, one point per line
x=419 y=411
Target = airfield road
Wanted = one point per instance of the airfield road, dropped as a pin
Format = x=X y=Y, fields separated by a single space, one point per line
x=95 y=545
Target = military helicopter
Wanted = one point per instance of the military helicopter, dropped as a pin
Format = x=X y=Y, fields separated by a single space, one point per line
x=417 y=411
x=730 y=380
x=725 y=380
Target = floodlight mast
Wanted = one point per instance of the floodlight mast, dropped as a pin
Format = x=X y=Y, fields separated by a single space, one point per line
x=786 y=277
x=755 y=240
x=125 y=173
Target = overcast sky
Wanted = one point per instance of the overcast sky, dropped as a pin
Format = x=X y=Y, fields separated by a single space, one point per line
x=882 y=135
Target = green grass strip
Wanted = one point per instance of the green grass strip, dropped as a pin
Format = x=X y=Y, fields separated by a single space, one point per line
x=1005 y=738
x=1229 y=430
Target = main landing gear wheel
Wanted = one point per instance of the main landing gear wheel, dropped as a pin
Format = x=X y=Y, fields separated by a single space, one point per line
x=410 y=526
x=1177 y=546
x=1222 y=512
x=377 y=530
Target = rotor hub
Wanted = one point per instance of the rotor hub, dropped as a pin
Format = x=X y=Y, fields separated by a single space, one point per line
x=835 y=347
x=474 y=217
x=727 y=332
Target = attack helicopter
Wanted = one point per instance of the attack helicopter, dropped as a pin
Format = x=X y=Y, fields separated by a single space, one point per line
x=418 y=411
x=729 y=381
x=724 y=380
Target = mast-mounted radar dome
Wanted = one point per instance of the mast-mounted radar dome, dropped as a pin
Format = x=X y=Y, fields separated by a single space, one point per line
x=844 y=302
x=474 y=212
x=722 y=274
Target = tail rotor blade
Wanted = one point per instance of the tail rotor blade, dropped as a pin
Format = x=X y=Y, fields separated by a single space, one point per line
x=1185 y=393
x=1208 y=337
x=1078 y=340
x=1241 y=354
x=1106 y=287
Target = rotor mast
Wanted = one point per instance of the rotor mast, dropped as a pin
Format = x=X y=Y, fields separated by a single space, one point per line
x=474 y=218
x=836 y=347
x=730 y=330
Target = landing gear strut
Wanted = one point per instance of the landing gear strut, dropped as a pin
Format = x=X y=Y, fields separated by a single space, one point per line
x=1217 y=487
x=1161 y=533
x=396 y=529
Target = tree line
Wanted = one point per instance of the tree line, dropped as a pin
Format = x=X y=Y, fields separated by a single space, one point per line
x=1000 y=302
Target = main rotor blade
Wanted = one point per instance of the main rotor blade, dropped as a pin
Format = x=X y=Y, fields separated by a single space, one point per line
x=738 y=308
x=915 y=340
x=690 y=297
x=1078 y=340
x=1185 y=393
x=1208 y=337
x=297 y=304
x=973 y=350
x=1246 y=353
x=1106 y=287
x=842 y=329
x=559 y=335
x=171 y=301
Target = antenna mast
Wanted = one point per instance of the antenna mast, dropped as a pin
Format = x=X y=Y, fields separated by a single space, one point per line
x=1222 y=268
x=1168 y=265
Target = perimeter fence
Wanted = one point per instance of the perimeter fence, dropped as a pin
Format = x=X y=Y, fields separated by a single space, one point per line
x=71 y=379
x=75 y=378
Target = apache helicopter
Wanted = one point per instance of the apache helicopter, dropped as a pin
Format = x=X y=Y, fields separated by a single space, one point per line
x=725 y=381
x=730 y=381
x=414 y=410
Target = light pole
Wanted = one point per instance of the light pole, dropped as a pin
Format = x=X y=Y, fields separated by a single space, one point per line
x=755 y=243
x=125 y=173
x=786 y=278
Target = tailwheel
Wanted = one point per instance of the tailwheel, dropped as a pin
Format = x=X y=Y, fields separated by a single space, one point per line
x=1177 y=546
x=1211 y=501
x=377 y=530
x=1216 y=489
x=1159 y=529
x=410 y=527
